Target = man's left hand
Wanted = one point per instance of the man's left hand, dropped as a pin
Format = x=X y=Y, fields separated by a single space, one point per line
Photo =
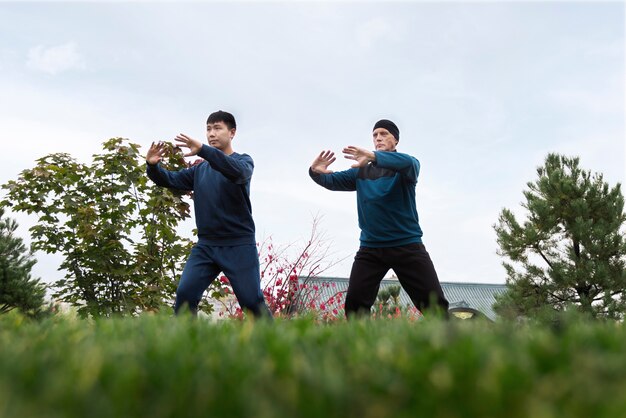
x=362 y=156
x=193 y=144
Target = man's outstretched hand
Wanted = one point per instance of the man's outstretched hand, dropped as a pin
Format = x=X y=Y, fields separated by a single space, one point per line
x=321 y=163
x=193 y=144
x=362 y=156
x=155 y=153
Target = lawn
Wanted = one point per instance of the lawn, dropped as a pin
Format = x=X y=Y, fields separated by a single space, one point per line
x=158 y=366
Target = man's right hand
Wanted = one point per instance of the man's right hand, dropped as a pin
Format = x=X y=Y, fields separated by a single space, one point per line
x=155 y=153
x=321 y=163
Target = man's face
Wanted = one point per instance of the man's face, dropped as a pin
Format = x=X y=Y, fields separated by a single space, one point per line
x=383 y=140
x=219 y=136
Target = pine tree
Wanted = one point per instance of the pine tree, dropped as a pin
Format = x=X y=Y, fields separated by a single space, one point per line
x=570 y=251
x=17 y=289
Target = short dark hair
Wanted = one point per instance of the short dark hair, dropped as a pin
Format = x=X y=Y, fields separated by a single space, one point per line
x=221 y=116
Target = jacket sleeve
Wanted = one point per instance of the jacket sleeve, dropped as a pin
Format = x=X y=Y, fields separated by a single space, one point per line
x=344 y=181
x=406 y=164
x=237 y=169
x=180 y=180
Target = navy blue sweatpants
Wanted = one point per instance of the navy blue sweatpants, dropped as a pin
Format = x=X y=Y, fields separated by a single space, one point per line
x=239 y=263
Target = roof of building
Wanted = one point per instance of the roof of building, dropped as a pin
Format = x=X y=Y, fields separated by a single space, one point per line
x=478 y=296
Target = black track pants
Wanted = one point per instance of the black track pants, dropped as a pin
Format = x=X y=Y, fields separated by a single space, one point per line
x=414 y=269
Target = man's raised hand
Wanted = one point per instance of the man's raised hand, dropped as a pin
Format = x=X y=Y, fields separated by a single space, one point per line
x=155 y=153
x=362 y=156
x=193 y=144
x=321 y=163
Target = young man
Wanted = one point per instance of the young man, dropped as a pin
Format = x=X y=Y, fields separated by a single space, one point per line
x=226 y=231
x=391 y=236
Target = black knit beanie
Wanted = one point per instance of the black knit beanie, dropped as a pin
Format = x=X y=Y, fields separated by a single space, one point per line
x=390 y=126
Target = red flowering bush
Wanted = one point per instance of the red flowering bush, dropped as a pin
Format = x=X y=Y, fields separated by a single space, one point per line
x=286 y=274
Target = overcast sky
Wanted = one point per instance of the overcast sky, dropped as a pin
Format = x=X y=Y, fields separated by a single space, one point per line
x=481 y=93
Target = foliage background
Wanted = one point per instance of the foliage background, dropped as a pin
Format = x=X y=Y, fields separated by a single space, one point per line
x=115 y=229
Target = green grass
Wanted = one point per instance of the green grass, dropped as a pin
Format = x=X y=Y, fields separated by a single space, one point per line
x=156 y=366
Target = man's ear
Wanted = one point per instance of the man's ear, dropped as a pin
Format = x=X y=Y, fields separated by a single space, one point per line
x=232 y=132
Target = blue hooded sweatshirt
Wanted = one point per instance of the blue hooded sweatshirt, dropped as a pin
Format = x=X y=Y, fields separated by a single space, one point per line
x=385 y=191
x=221 y=195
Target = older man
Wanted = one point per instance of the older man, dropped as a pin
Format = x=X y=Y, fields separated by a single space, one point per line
x=391 y=237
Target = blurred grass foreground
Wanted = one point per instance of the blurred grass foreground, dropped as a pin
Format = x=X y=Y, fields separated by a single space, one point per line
x=157 y=366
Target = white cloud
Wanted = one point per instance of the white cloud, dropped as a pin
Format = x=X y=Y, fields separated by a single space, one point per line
x=55 y=59
x=376 y=30
x=598 y=100
x=480 y=112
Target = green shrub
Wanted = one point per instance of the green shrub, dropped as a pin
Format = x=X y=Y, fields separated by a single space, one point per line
x=157 y=366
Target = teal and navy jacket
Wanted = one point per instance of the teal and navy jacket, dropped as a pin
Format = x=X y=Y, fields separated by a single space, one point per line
x=385 y=192
x=221 y=195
